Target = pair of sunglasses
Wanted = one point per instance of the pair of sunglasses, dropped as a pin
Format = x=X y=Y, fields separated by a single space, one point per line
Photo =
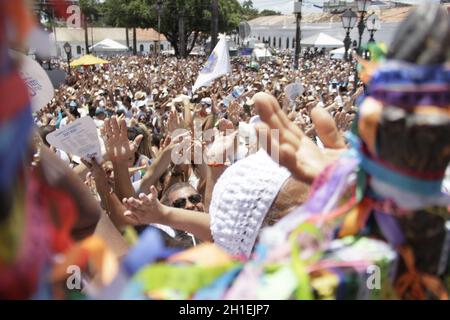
x=181 y=202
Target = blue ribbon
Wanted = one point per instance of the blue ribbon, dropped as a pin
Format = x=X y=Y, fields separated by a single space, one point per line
x=216 y=290
x=14 y=136
x=396 y=72
x=148 y=249
x=401 y=181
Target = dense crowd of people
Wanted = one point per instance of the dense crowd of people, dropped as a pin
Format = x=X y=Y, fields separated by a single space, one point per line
x=151 y=101
x=260 y=162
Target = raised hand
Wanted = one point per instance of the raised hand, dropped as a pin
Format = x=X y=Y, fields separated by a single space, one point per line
x=99 y=175
x=343 y=120
x=296 y=151
x=175 y=121
x=233 y=112
x=223 y=148
x=145 y=210
x=327 y=129
x=214 y=104
x=115 y=135
x=224 y=125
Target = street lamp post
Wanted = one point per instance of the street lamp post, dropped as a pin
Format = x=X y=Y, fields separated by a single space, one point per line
x=373 y=25
x=68 y=51
x=349 y=19
x=266 y=45
x=363 y=7
x=298 y=32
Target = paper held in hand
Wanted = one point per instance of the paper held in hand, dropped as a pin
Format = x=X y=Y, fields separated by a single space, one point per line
x=293 y=90
x=79 y=138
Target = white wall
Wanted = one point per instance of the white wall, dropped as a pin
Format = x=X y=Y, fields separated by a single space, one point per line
x=75 y=54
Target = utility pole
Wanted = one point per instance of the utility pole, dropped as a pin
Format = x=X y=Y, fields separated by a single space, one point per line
x=298 y=33
x=181 y=33
x=159 y=7
x=134 y=41
x=92 y=36
x=86 y=38
x=214 y=23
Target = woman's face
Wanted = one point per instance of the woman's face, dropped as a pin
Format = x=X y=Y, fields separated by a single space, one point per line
x=132 y=159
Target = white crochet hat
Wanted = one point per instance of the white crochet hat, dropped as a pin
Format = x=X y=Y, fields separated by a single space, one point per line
x=241 y=200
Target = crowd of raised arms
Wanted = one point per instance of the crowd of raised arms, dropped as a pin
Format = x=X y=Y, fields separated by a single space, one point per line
x=258 y=156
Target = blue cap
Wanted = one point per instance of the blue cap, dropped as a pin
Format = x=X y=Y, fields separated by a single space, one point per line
x=73 y=104
x=100 y=111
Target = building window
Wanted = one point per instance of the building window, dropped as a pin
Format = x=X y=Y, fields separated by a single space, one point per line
x=269 y=41
x=259 y=38
x=279 y=43
x=78 y=49
x=141 y=48
x=264 y=39
x=293 y=43
x=152 y=48
x=287 y=43
x=161 y=47
x=274 y=42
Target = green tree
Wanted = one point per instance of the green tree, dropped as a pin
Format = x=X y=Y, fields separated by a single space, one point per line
x=266 y=12
x=90 y=13
x=248 y=4
x=248 y=12
x=196 y=18
x=127 y=14
x=191 y=16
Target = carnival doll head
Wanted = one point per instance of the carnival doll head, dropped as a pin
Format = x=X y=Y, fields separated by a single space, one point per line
x=404 y=122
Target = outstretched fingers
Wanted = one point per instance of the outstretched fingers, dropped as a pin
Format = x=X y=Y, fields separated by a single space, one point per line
x=268 y=140
x=115 y=126
x=326 y=129
x=123 y=127
x=270 y=112
x=288 y=157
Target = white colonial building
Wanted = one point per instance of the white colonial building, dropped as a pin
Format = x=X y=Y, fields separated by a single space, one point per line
x=147 y=39
x=280 y=31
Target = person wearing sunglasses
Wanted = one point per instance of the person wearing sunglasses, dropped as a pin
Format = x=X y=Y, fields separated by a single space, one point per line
x=182 y=196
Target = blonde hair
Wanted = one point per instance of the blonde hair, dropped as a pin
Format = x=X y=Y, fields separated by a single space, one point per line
x=145 y=148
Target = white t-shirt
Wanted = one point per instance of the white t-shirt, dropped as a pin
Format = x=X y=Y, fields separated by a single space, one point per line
x=63 y=122
x=138 y=175
x=63 y=156
x=339 y=101
x=83 y=112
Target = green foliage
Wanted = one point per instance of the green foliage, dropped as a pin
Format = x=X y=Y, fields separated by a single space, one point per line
x=266 y=12
x=247 y=11
x=126 y=13
x=90 y=8
x=196 y=14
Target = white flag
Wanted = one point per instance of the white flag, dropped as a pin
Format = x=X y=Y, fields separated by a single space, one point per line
x=218 y=64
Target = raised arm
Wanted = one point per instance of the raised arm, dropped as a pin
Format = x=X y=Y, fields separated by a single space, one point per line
x=110 y=202
x=119 y=149
x=147 y=210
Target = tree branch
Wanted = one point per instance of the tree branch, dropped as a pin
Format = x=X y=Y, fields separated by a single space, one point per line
x=193 y=42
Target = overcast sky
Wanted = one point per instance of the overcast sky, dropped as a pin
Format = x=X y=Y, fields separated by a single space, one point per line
x=287 y=6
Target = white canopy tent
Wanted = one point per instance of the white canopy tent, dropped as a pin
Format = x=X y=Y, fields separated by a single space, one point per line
x=337 y=53
x=260 y=52
x=322 y=40
x=108 y=45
